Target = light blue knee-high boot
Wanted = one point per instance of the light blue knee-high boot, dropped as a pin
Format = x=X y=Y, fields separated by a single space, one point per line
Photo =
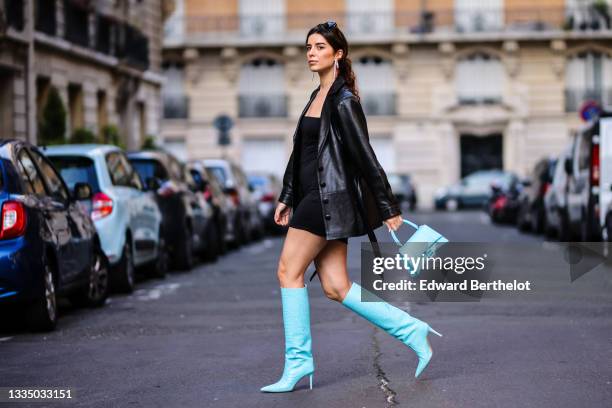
x=409 y=330
x=298 y=343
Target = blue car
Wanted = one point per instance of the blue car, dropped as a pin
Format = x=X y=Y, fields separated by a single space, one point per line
x=48 y=244
x=126 y=217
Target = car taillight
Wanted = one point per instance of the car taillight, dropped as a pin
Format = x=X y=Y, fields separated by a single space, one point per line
x=102 y=206
x=235 y=197
x=500 y=203
x=207 y=194
x=167 y=189
x=595 y=165
x=268 y=197
x=13 y=220
x=545 y=188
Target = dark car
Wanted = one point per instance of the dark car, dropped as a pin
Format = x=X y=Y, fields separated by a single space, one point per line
x=532 y=212
x=266 y=188
x=209 y=188
x=471 y=191
x=48 y=243
x=403 y=189
x=185 y=216
x=503 y=204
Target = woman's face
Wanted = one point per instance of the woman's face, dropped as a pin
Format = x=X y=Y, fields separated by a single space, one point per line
x=319 y=54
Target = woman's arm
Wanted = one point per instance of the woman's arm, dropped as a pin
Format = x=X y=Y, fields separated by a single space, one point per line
x=286 y=195
x=354 y=131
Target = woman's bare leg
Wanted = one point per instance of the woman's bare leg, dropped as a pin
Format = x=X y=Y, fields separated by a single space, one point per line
x=331 y=267
x=298 y=251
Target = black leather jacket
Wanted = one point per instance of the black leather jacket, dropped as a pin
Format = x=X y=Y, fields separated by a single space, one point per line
x=345 y=161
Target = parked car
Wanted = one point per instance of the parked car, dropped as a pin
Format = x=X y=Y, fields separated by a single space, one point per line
x=605 y=182
x=249 y=225
x=403 y=189
x=584 y=176
x=126 y=217
x=471 y=191
x=48 y=244
x=503 y=203
x=555 y=199
x=219 y=203
x=185 y=217
x=266 y=189
x=531 y=213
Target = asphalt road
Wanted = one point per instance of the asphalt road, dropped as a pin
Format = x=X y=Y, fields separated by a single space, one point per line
x=213 y=336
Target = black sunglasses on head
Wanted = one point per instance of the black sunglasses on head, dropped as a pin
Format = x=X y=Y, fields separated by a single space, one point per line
x=330 y=25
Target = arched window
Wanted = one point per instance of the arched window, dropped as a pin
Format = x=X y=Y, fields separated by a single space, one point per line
x=262 y=89
x=375 y=82
x=479 y=78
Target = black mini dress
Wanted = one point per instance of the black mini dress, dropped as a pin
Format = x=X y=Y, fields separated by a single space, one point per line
x=308 y=214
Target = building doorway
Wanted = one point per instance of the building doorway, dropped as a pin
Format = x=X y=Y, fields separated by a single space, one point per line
x=480 y=153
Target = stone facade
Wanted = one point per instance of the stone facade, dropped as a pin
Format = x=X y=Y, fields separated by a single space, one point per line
x=424 y=133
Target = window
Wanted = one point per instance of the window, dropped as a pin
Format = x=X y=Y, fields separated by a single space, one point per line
x=119 y=169
x=56 y=186
x=261 y=89
x=76 y=169
x=261 y=18
x=149 y=168
x=375 y=80
x=479 y=15
x=366 y=16
x=588 y=76
x=479 y=78
x=29 y=175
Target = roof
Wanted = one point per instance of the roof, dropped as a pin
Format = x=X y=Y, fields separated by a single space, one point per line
x=79 y=149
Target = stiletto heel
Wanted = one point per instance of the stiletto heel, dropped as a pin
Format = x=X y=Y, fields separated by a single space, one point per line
x=409 y=330
x=434 y=332
x=298 y=341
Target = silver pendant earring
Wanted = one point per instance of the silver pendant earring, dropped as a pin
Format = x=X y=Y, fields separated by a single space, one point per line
x=312 y=77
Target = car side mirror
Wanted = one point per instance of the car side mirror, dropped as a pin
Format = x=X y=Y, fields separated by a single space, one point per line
x=526 y=182
x=81 y=191
x=153 y=183
x=567 y=164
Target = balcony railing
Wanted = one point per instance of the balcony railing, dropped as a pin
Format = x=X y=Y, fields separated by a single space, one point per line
x=176 y=107
x=14 y=12
x=262 y=106
x=528 y=18
x=376 y=104
x=76 y=23
x=574 y=98
x=479 y=100
x=44 y=14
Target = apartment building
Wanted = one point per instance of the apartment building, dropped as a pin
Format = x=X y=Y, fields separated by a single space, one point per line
x=102 y=56
x=448 y=87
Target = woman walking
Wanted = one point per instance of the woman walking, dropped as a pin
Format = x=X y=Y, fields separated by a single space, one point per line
x=332 y=178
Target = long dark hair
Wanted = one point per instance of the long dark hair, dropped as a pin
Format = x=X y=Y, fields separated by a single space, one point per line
x=336 y=39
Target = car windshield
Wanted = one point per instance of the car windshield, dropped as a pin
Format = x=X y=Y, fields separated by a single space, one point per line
x=76 y=169
x=1 y=180
x=258 y=181
x=219 y=173
x=149 y=168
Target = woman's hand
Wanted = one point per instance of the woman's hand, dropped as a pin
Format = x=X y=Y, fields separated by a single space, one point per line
x=281 y=215
x=394 y=223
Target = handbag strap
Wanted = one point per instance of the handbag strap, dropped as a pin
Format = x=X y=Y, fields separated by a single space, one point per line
x=371 y=235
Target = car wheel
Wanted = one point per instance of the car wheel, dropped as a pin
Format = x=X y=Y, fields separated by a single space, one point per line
x=124 y=275
x=212 y=250
x=183 y=256
x=160 y=265
x=452 y=204
x=42 y=313
x=94 y=294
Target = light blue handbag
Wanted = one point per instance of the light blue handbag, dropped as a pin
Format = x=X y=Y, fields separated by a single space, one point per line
x=424 y=242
